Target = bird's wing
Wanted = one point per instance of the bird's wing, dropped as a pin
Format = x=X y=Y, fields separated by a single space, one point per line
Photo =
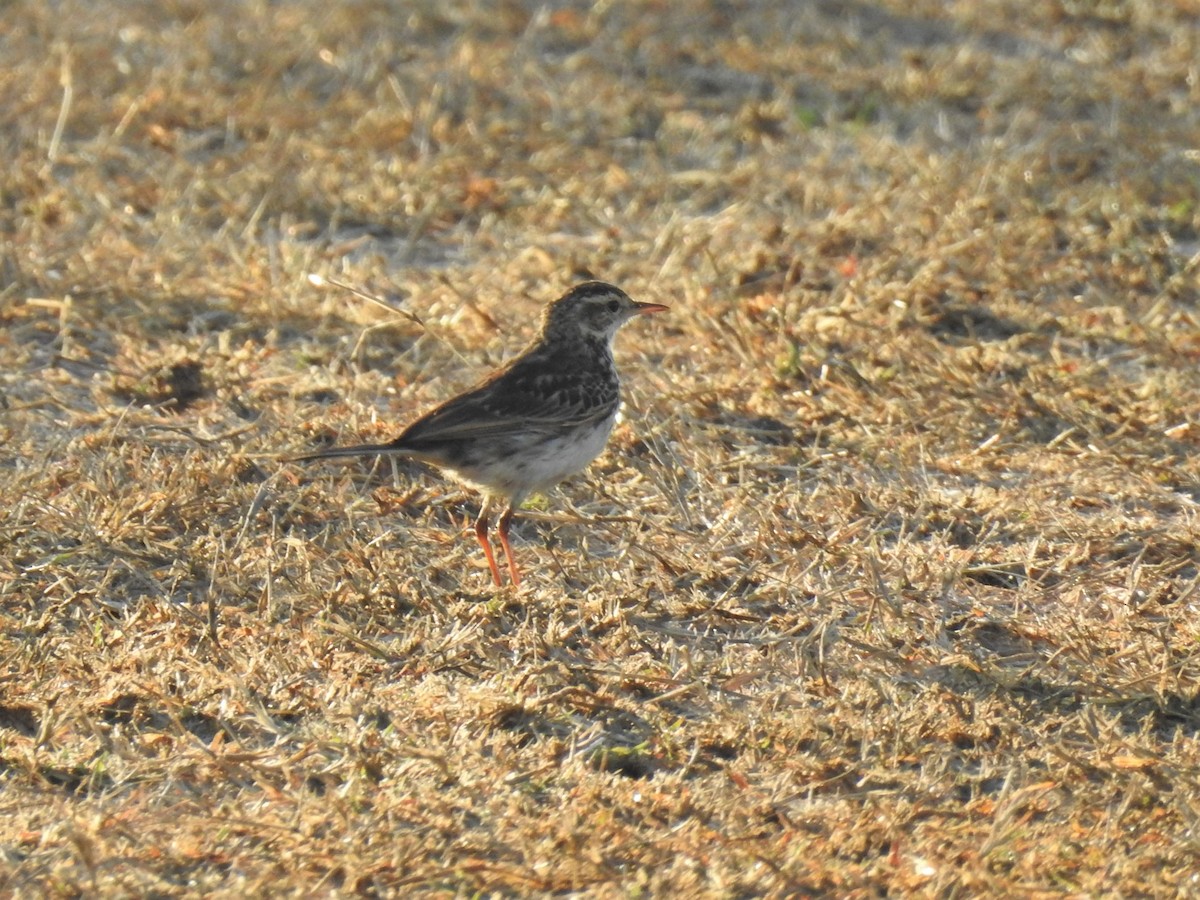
x=530 y=395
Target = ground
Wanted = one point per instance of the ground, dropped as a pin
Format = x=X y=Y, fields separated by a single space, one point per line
x=885 y=585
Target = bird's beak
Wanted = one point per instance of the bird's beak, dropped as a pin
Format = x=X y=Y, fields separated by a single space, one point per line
x=642 y=309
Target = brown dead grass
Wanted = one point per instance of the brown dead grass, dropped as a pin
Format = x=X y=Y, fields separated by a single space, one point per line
x=887 y=585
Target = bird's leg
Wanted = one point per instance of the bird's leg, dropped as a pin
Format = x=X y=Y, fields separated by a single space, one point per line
x=481 y=533
x=502 y=530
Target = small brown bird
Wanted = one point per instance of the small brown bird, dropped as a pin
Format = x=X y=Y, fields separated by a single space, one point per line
x=543 y=417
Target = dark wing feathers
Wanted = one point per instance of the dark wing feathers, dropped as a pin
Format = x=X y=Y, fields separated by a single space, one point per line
x=535 y=393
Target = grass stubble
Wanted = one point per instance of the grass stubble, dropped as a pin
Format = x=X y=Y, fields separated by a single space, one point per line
x=887 y=583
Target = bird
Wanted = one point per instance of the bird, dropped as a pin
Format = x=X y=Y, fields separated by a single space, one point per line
x=534 y=422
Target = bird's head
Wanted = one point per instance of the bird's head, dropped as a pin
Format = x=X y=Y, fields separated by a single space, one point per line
x=592 y=310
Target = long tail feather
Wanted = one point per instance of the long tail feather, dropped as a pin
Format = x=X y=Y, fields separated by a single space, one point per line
x=356 y=450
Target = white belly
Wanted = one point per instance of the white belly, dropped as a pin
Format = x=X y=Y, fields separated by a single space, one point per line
x=540 y=465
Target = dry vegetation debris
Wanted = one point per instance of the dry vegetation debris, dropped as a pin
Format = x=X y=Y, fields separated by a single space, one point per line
x=887 y=584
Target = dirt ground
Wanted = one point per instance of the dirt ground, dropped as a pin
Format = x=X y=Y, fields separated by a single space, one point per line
x=886 y=585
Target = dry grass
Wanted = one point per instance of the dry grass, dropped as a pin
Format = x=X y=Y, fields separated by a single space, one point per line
x=887 y=585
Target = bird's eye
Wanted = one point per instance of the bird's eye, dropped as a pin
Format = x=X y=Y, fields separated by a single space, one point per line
x=613 y=305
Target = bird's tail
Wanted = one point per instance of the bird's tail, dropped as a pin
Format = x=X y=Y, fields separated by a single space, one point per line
x=355 y=450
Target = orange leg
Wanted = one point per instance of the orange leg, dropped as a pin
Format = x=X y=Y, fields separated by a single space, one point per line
x=502 y=530
x=481 y=533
